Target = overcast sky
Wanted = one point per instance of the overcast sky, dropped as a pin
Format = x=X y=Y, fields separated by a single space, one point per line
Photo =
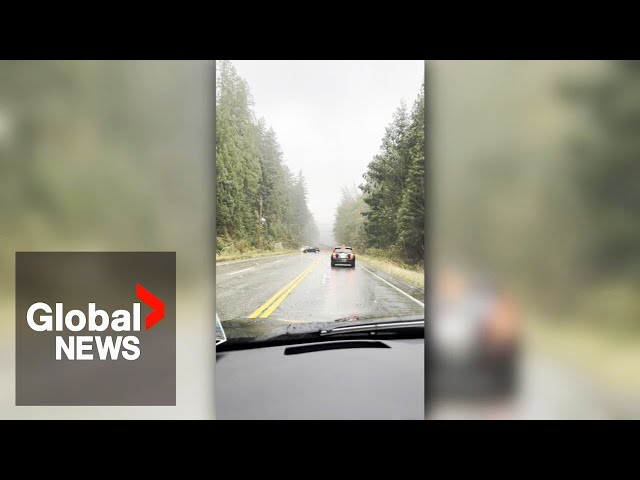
x=330 y=116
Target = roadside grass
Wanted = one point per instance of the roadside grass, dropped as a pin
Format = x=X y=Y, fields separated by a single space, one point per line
x=408 y=273
x=227 y=257
x=615 y=362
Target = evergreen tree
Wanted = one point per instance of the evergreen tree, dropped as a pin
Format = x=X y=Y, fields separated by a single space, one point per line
x=411 y=214
x=607 y=168
x=348 y=227
x=273 y=187
x=251 y=176
x=385 y=180
x=393 y=191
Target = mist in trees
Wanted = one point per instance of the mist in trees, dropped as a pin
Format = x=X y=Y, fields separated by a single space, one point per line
x=387 y=211
x=259 y=202
x=536 y=183
x=348 y=227
x=605 y=161
x=103 y=155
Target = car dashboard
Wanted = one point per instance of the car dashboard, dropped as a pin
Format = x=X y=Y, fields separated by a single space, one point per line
x=333 y=380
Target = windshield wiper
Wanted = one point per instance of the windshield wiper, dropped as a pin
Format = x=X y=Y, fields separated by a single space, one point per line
x=398 y=327
x=372 y=328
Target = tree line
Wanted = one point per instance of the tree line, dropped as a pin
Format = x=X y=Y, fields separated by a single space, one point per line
x=387 y=212
x=260 y=203
x=98 y=155
x=540 y=190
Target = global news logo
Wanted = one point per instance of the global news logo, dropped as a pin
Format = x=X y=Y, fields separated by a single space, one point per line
x=95 y=328
x=41 y=317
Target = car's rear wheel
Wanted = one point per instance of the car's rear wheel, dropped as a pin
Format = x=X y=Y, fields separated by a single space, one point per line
x=506 y=373
x=353 y=265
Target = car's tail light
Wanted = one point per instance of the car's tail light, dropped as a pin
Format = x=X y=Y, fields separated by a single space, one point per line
x=503 y=323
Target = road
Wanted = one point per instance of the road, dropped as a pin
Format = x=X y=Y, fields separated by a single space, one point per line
x=303 y=287
x=550 y=389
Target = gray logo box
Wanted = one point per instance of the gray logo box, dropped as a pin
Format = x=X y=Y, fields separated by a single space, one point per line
x=109 y=280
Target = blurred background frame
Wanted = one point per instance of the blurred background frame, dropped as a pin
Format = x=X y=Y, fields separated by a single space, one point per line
x=112 y=156
x=535 y=235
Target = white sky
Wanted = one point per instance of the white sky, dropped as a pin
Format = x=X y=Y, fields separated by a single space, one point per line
x=329 y=116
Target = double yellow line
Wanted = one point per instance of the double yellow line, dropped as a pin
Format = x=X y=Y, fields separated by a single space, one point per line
x=275 y=301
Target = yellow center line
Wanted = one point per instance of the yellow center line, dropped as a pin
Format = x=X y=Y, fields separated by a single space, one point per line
x=288 y=291
x=280 y=292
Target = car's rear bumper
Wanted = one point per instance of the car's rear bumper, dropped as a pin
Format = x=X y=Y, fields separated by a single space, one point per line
x=342 y=261
x=481 y=372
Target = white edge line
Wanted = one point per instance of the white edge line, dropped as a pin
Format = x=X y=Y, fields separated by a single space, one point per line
x=393 y=286
x=271 y=263
x=240 y=271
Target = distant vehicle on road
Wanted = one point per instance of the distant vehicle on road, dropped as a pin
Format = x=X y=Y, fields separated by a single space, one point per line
x=343 y=256
x=307 y=249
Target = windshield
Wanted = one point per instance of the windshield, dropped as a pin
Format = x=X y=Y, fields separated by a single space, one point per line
x=320 y=201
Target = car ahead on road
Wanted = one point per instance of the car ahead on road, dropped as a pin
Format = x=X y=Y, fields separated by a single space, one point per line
x=307 y=249
x=477 y=335
x=343 y=256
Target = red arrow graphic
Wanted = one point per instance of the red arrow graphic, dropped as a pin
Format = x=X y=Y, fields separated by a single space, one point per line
x=154 y=302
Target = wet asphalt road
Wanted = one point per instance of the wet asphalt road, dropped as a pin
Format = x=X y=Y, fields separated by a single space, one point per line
x=321 y=293
x=549 y=390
